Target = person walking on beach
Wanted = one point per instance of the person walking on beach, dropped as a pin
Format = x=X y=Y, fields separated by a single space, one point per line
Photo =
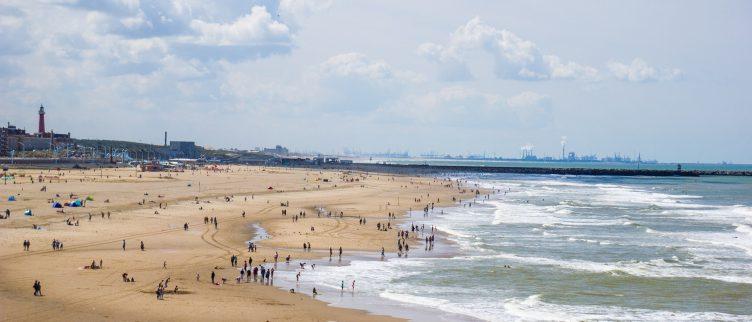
x=142 y=245
x=37 y=288
x=212 y=277
x=123 y=244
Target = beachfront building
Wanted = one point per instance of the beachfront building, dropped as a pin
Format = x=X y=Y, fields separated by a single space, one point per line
x=183 y=149
x=277 y=150
x=16 y=139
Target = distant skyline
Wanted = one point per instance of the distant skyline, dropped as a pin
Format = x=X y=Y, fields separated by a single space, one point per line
x=667 y=79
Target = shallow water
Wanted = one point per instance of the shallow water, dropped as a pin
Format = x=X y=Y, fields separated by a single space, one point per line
x=578 y=248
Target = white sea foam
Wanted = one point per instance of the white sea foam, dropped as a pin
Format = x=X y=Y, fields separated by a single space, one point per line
x=718 y=214
x=452 y=232
x=592 y=241
x=742 y=239
x=625 y=196
x=657 y=268
x=742 y=228
x=474 y=311
x=533 y=308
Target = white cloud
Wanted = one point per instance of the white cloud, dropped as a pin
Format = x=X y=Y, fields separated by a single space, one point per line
x=344 y=84
x=357 y=65
x=569 y=70
x=514 y=57
x=250 y=29
x=527 y=99
x=639 y=71
x=451 y=66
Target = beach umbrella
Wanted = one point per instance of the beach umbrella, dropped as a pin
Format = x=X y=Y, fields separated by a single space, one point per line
x=28 y=212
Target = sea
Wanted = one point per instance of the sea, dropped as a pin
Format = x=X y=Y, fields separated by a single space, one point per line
x=564 y=248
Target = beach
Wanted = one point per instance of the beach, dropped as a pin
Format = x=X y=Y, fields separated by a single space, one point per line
x=127 y=206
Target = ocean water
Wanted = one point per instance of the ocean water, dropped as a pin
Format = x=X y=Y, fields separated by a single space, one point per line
x=569 y=248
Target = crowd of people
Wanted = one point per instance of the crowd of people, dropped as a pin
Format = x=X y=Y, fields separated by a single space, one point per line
x=57 y=245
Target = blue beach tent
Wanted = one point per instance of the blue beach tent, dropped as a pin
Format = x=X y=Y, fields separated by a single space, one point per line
x=76 y=203
x=57 y=205
x=11 y=198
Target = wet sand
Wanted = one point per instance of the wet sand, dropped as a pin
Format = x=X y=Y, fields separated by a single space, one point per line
x=72 y=292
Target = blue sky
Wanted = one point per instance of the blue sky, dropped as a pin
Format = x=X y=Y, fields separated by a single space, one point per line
x=667 y=79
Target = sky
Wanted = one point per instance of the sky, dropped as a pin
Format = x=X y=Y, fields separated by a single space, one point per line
x=669 y=80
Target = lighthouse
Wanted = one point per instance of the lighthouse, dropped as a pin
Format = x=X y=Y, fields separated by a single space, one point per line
x=41 y=119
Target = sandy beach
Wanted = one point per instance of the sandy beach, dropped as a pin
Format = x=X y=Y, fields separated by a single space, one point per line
x=153 y=207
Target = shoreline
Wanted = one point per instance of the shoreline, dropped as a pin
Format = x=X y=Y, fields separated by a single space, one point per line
x=371 y=303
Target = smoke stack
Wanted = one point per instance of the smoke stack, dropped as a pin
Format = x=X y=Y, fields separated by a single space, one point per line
x=563 y=146
x=165 y=138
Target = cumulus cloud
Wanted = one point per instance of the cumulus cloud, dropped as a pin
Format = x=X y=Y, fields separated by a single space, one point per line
x=191 y=29
x=256 y=27
x=639 y=71
x=514 y=57
x=86 y=54
x=451 y=66
x=357 y=65
x=349 y=84
x=136 y=18
x=528 y=99
x=355 y=83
